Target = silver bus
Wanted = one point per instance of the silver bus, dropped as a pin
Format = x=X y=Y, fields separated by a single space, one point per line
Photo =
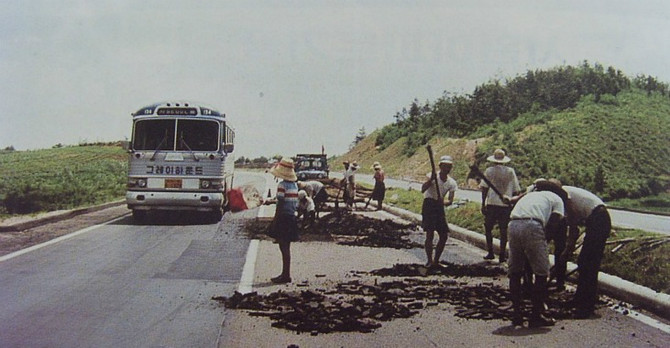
x=180 y=158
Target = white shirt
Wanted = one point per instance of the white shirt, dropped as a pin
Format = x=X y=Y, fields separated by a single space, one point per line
x=504 y=179
x=313 y=187
x=538 y=205
x=582 y=201
x=349 y=176
x=446 y=186
x=306 y=205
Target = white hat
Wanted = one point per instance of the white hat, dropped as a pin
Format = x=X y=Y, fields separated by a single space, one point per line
x=446 y=159
x=498 y=157
x=302 y=194
x=284 y=170
x=354 y=165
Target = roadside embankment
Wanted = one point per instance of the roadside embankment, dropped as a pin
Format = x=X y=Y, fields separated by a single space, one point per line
x=637 y=295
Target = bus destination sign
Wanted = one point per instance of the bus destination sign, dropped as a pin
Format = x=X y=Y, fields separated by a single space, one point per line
x=178 y=111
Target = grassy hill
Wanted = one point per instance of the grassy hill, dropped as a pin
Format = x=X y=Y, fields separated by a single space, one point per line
x=61 y=178
x=618 y=146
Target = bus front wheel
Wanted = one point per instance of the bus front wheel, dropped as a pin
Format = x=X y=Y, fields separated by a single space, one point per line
x=139 y=215
x=216 y=215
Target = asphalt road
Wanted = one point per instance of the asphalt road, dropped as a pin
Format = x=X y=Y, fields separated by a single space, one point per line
x=125 y=285
x=620 y=218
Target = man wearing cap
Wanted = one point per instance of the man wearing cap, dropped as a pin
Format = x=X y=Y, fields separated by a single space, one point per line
x=534 y=216
x=432 y=210
x=284 y=228
x=586 y=209
x=496 y=208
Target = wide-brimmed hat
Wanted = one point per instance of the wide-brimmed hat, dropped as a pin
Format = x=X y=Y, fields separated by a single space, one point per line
x=284 y=170
x=498 y=157
x=376 y=165
x=354 y=165
x=446 y=159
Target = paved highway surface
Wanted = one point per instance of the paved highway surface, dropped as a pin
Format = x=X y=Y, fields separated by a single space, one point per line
x=125 y=285
x=122 y=284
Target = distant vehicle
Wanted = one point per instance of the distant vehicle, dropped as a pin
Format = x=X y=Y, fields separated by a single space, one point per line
x=311 y=166
x=179 y=159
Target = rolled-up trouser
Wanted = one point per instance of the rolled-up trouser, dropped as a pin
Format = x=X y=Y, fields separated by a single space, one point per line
x=527 y=241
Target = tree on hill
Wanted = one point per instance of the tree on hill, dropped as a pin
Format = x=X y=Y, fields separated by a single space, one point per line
x=496 y=101
x=359 y=137
x=589 y=125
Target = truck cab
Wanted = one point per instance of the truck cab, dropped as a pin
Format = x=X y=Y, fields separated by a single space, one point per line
x=311 y=166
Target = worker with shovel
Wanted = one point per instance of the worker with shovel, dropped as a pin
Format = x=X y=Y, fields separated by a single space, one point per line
x=586 y=209
x=501 y=184
x=315 y=190
x=534 y=216
x=435 y=190
x=379 y=190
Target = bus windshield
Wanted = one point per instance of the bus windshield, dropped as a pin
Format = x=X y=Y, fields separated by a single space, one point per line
x=192 y=135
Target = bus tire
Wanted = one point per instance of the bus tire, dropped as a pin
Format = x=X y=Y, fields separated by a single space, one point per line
x=216 y=215
x=139 y=215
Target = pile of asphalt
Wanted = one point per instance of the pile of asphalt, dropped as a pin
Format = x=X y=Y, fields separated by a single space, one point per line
x=362 y=305
x=351 y=229
x=445 y=269
x=359 y=230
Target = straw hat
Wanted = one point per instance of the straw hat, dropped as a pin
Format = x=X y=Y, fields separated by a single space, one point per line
x=354 y=165
x=284 y=170
x=498 y=157
x=376 y=165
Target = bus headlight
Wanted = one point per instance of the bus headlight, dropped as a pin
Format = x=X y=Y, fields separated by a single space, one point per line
x=135 y=182
x=205 y=184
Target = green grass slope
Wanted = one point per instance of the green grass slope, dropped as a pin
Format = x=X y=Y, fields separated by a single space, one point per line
x=61 y=178
x=618 y=147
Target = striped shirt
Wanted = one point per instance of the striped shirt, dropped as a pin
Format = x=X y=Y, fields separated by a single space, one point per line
x=287 y=198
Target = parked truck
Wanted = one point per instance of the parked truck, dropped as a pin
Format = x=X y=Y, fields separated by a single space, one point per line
x=311 y=166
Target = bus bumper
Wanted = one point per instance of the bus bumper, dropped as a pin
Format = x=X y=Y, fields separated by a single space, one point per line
x=198 y=201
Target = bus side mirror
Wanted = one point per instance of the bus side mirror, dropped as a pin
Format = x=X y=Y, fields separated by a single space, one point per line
x=228 y=148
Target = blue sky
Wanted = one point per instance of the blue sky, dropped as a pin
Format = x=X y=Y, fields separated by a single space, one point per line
x=291 y=75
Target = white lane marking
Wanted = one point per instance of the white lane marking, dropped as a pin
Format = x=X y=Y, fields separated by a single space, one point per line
x=247 y=279
x=54 y=241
